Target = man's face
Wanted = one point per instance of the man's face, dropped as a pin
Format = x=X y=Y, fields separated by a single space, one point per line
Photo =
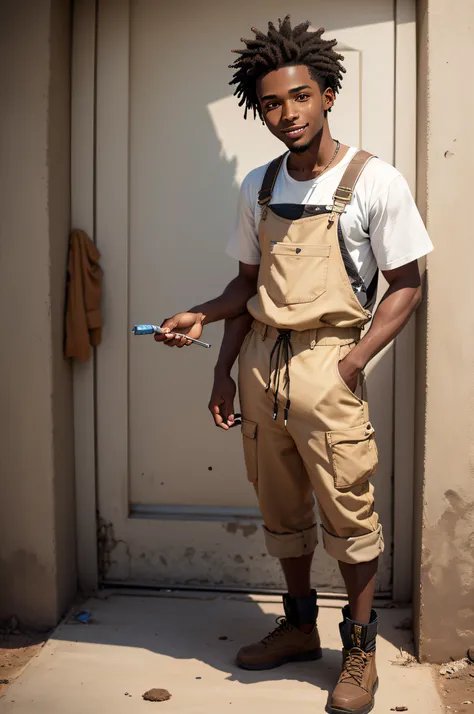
x=293 y=106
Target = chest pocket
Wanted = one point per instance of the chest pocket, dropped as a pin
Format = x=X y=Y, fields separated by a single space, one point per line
x=296 y=272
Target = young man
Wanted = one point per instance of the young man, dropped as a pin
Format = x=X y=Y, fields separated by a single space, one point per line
x=313 y=229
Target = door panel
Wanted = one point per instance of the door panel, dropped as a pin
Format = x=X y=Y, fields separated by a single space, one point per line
x=172 y=150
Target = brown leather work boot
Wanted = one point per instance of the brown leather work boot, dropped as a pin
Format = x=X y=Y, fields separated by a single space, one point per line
x=356 y=687
x=287 y=643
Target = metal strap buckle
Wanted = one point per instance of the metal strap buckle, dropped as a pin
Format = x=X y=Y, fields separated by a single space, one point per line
x=343 y=193
x=264 y=196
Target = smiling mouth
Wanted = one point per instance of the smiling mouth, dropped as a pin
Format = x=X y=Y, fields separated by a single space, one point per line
x=295 y=132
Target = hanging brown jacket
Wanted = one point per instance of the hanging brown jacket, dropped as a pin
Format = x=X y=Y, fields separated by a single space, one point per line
x=83 y=322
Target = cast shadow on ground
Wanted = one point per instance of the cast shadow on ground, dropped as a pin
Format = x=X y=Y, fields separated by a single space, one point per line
x=209 y=629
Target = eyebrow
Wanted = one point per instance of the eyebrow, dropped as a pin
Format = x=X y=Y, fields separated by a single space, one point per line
x=291 y=91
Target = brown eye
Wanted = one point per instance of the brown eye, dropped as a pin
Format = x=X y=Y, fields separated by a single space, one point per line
x=302 y=97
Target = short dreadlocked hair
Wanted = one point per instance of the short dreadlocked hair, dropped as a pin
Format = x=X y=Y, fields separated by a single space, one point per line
x=282 y=48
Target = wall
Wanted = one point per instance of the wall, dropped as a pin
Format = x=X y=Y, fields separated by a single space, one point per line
x=37 y=551
x=444 y=594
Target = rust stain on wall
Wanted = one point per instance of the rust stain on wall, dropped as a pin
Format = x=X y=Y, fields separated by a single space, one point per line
x=107 y=543
x=448 y=581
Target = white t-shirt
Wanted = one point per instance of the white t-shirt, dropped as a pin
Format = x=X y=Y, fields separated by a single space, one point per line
x=381 y=225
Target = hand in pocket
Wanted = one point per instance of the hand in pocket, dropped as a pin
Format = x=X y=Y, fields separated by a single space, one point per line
x=349 y=374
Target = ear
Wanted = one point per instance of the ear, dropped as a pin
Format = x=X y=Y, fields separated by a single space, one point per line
x=328 y=99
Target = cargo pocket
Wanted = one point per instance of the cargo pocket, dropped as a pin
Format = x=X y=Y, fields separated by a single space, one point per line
x=297 y=272
x=249 y=436
x=353 y=455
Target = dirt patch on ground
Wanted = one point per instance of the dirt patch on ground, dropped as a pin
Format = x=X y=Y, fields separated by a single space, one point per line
x=157 y=695
x=17 y=647
x=456 y=687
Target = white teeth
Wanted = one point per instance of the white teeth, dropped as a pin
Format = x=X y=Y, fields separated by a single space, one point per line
x=296 y=132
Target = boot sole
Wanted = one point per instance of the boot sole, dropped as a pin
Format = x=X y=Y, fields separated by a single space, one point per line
x=364 y=710
x=303 y=657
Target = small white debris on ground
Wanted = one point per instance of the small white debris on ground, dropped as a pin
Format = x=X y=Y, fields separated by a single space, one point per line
x=453 y=667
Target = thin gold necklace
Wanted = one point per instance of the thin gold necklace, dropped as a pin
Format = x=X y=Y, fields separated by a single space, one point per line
x=338 y=146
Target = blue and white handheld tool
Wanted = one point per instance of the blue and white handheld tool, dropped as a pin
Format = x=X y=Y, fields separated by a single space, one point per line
x=155 y=330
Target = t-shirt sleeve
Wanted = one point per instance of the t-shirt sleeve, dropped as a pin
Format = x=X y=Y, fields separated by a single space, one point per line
x=397 y=233
x=243 y=244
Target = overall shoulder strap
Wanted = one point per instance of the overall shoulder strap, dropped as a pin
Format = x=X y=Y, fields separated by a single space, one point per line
x=268 y=183
x=345 y=190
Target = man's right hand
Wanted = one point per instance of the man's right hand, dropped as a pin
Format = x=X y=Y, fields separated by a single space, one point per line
x=186 y=323
x=221 y=404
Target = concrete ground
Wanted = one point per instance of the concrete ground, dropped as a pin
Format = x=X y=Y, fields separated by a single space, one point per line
x=175 y=641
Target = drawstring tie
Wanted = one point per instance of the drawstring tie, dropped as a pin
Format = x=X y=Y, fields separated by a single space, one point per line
x=281 y=348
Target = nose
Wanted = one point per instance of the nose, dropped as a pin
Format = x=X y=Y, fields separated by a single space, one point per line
x=289 y=111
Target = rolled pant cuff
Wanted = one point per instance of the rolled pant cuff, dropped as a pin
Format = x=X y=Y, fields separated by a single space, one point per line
x=291 y=545
x=354 y=549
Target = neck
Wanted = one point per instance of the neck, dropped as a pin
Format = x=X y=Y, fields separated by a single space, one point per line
x=316 y=156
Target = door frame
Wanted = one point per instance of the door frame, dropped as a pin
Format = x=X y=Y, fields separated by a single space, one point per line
x=83 y=101
x=83 y=212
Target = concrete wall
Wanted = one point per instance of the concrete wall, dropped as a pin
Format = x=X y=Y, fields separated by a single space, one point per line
x=445 y=587
x=37 y=549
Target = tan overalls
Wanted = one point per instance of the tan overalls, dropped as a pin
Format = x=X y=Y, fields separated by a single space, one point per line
x=304 y=431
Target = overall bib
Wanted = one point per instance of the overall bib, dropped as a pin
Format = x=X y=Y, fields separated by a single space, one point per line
x=305 y=433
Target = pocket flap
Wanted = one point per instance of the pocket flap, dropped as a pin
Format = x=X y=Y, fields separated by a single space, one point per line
x=249 y=428
x=353 y=453
x=355 y=434
x=301 y=250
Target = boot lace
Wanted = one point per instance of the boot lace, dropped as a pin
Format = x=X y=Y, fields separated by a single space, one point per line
x=354 y=666
x=283 y=627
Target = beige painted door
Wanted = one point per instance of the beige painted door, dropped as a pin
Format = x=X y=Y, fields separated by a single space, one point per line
x=171 y=150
